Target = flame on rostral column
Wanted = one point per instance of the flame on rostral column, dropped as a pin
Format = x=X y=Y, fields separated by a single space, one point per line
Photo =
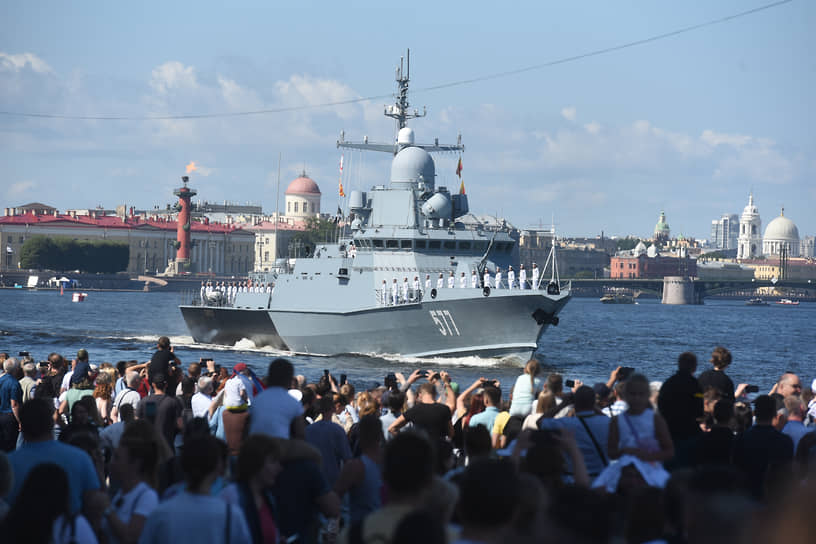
x=191 y=167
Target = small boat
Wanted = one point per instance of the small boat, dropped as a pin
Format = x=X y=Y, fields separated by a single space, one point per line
x=617 y=298
x=756 y=302
x=787 y=302
x=79 y=297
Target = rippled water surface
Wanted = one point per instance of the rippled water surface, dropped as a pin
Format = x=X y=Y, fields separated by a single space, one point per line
x=590 y=341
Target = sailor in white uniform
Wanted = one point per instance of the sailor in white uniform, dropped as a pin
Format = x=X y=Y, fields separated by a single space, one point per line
x=511 y=277
x=394 y=292
x=487 y=277
x=498 y=278
x=522 y=278
x=352 y=250
x=203 y=293
x=405 y=290
x=427 y=282
x=451 y=281
x=535 y=276
x=417 y=292
x=384 y=292
x=462 y=281
x=440 y=283
x=474 y=280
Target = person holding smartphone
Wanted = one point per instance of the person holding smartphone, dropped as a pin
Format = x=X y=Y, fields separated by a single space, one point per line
x=165 y=363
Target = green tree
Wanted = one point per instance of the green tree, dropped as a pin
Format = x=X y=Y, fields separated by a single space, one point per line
x=625 y=244
x=318 y=230
x=39 y=252
x=66 y=254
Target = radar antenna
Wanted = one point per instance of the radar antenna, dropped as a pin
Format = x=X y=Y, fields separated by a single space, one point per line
x=401 y=112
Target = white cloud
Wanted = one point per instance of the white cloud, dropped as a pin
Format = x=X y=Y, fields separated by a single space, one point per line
x=303 y=89
x=20 y=188
x=569 y=113
x=18 y=62
x=593 y=127
x=713 y=138
x=172 y=75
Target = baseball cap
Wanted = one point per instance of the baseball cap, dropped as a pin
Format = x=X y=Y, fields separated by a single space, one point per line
x=240 y=367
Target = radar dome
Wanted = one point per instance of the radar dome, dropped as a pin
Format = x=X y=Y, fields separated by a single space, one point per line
x=405 y=136
x=411 y=165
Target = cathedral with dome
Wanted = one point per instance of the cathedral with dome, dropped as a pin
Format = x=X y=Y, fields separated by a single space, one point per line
x=780 y=236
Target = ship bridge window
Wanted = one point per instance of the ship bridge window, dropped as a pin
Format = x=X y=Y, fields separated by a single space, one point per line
x=405 y=244
x=393 y=244
x=378 y=243
x=434 y=244
x=509 y=247
x=464 y=245
x=450 y=244
x=500 y=246
x=419 y=244
x=480 y=246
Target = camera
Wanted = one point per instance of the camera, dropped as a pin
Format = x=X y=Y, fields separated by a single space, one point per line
x=625 y=372
x=23 y=354
x=435 y=376
x=491 y=383
x=343 y=378
x=326 y=372
x=390 y=380
x=752 y=389
x=569 y=383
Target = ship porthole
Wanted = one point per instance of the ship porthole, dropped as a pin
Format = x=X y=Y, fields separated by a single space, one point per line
x=433 y=293
x=486 y=291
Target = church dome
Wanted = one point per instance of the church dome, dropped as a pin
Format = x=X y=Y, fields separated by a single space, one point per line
x=303 y=185
x=782 y=229
x=662 y=227
x=750 y=210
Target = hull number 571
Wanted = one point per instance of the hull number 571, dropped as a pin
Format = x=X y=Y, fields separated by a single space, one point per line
x=444 y=322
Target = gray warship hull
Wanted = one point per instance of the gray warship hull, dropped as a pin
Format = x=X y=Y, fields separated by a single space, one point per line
x=489 y=326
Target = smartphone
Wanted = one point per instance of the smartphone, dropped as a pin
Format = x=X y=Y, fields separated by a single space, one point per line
x=625 y=372
x=752 y=389
x=325 y=371
x=23 y=354
x=569 y=383
x=343 y=379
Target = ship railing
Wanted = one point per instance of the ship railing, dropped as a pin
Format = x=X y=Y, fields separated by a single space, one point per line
x=386 y=297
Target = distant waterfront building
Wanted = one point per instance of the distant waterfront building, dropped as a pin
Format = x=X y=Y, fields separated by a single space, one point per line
x=648 y=263
x=749 y=243
x=724 y=231
x=575 y=258
x=302 y=197
x=808 y=247
x=216 y=248
x=781 y=234
x=661 y=230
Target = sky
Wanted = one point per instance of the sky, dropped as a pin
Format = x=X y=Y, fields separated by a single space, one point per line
x=689 y=124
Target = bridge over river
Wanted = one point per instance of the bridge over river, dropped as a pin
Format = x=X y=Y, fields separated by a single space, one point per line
x=694 y=290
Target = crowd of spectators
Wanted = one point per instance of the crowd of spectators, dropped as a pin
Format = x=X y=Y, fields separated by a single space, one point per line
x=159 y=452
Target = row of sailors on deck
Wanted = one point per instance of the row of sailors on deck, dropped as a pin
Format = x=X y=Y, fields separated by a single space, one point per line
x=400 y=294
x=222 y=292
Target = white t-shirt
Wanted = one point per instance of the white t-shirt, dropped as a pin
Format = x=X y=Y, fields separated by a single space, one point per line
x=127 y=396
x=139 y=501
x=234 y=391
x=201 y=404
x=66 y=380
x=273 y=411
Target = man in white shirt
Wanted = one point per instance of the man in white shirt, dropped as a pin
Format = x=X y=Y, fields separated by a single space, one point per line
x=511 y=277
x=522 y=278
x=474 y=280
x=451 y=281
x=498 y=278
x=405 y=289
x=486 y=277
x=417 y=291
x=440 y=283
x=201 y=401
x=274 y=412
x=129 y=395
x=535 y=276
x=238 y=389
x=394 y=292
x=462 y=281
x=427 y=282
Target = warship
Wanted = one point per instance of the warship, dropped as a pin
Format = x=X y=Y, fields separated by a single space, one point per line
x=413 y=273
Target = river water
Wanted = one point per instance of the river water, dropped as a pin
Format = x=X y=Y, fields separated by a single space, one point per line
x=591 y=340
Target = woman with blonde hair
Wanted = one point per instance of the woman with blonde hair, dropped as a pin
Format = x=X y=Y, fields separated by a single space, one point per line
x=525 y=390
x=103 y=393
x=545 y=404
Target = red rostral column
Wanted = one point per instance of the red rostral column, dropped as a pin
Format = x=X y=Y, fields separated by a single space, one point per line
x=184 y=217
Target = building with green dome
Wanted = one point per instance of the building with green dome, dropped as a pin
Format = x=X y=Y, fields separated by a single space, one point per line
x=661 y=230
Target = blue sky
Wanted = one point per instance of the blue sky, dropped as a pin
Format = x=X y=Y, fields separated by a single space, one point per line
x=689 y=124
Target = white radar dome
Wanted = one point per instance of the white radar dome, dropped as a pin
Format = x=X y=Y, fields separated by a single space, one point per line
x=411 y=165
x=405 y=136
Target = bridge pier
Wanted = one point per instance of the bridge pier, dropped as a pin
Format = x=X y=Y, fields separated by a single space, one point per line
x=681 y=290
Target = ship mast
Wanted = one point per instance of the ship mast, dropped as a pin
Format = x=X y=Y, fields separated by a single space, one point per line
x=401 y=112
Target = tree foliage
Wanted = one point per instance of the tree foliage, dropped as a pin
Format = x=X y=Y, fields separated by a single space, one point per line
x=625 y=244
x=99 y=256
x=318 y=230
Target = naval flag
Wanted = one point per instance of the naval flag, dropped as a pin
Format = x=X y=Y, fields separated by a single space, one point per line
x=341 y=191
x=459 y=168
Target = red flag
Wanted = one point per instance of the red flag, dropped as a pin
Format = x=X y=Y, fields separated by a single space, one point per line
x=462 y=187
x=342 y=193
x=459 y=168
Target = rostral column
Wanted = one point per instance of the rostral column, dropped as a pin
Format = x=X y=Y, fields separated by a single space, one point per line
x=183 y=234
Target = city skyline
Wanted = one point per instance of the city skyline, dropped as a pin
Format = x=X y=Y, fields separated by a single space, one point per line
x=688 y=125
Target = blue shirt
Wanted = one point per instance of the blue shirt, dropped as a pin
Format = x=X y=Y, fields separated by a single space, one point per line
x=485 y=418
x=9 y=390
x=796 y=430
x=195 y=518
x=598 y=426
x=76 y=463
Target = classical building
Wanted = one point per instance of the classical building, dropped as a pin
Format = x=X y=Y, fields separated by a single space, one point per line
x=303 y=198
x=661 y=230
x=648 y=263
x=749 y=242
x=781 y=234
x=216 y=248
